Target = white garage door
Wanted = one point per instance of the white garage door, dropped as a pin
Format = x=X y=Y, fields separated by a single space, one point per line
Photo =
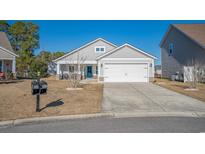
x=125 y=72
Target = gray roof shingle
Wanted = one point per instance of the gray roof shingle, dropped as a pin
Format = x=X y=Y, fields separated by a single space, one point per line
x=194 y=31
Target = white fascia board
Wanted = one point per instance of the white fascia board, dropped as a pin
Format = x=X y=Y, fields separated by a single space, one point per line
x=7 y=58
x=75 y=62
x=11 y=53
x=112 y=51
x=126 y=59
x=69 y=53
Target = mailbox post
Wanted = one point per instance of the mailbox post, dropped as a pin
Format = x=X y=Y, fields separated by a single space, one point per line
x=38 y=98
x=39 y=87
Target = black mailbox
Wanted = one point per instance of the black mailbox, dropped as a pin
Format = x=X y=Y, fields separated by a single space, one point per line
x=39 y=87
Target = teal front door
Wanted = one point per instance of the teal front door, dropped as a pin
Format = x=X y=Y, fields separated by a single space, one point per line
x=89 y=72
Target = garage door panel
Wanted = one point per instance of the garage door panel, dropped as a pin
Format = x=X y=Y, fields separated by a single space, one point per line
x=126 y=73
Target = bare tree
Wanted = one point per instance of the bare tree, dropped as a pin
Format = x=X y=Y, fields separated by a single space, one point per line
x=75 y=70
x=194 y=72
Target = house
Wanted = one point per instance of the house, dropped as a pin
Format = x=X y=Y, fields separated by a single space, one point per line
x=109 y=63
x=7 y=55
x=181 y=47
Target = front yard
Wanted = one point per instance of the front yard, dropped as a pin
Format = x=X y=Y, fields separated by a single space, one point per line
x=180 y=88
x=16 y=100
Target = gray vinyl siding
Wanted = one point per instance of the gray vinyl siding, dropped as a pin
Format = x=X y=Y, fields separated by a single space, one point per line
x=126 y=52
x=89 y=52
x=184 y=52
x=5 y=55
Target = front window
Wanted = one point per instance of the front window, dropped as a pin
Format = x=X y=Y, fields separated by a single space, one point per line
x=171 y=48
x=99 y=49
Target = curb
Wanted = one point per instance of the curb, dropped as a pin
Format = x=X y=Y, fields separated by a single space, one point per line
x=5 y=124
x=11 y=123
x=160 y=114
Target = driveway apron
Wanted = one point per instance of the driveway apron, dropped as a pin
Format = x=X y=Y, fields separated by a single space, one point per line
x=146 y=97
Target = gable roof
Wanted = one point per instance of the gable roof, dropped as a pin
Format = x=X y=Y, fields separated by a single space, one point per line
x=195 y=32
x=5 y=44
x=126 y=44
x=75 y=50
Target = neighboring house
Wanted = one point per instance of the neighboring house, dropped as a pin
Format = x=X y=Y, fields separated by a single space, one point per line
x=181 y=46
x=158 y=70
x=7 y=55
x=109 y=63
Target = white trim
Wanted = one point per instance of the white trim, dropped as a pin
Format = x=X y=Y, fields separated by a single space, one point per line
x=146 y=63
x=100 y=47
x=126 y=44
x=6 y=58
x=75 y=62
x=58 y=69
x=14 y=65
x=69 y=53
x=8 y=51
x=125 y=59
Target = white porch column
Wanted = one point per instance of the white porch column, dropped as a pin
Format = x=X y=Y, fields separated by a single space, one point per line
x=58 y=69
x=14 y=65
x=99 y=70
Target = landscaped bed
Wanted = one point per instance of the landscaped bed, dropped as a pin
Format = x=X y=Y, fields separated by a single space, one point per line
x=16 y=100
x=182 y=87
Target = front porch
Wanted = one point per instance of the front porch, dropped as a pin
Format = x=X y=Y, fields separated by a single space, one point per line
x=7 y=68
x=87 y=71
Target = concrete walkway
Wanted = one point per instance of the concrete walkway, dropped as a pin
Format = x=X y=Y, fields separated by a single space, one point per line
x=147 y=98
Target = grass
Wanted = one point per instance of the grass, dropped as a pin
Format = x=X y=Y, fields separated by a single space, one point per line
x=16 y=100
x=180 y=88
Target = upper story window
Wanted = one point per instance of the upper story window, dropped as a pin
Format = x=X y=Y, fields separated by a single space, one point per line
x=171 y=48
x=99 y=49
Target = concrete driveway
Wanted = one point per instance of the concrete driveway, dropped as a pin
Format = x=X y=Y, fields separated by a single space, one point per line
x=146 y=97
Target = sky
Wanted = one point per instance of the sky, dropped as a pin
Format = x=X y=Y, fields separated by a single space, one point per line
x=66 y=35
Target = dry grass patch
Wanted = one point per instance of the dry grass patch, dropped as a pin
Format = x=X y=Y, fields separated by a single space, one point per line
x=16 y=100
x=180 y=88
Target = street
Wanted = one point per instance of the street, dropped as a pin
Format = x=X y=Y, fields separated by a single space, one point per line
x=115 y=125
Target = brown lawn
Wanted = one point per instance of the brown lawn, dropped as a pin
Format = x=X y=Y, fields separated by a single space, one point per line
x=16 y=100
x=180 y=88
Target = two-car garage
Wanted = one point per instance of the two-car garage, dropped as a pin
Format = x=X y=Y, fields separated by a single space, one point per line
x=126 y=64
x=126 y=72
